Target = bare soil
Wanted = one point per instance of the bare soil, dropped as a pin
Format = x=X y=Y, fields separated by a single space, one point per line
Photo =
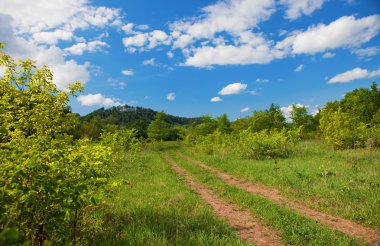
x=348 y=227
x=248 y=228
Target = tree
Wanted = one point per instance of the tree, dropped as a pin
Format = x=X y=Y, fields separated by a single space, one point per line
x=223 y=124
x=301 y=118
x=240 y=124
x=207 y=126
x=47 y=176
x=158 y=129
x=268 y=119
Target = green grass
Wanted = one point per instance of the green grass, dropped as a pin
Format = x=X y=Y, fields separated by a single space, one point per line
x=157 y=208
x=293 y=228
x=345 y=183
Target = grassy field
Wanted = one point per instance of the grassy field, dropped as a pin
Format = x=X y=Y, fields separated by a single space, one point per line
x=156 y=208
x=344 y=183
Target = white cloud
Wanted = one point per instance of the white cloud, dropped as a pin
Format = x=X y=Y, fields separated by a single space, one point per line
x=44 y=15
x=127 y=72
x=346 y=31
x=259 y=80
x=52 y=37
x=299 y=68
x=295 y=8
x=232 y=16
x=216 y=99
x=367 y=52
x=31 y=30
x=328 y=55
x=246 y=109
x=149 y=39
x=97 y=100
x=231 y=55
x=235 y=88
x=356 y=73
x=150 y=62
x=171 y=96
x=80 y=48
x=137 y=40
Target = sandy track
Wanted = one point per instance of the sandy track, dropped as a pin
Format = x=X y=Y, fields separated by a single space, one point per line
x=348 y=227
x=247 y=227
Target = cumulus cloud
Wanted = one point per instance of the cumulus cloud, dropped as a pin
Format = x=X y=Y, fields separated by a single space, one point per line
x=356 y=73
x=328 y=55
x=44 y=15
x=235 y=88
x=171 y=96
x=296 y=8
x=367 y=52
x=346 y=31
x=97 y=100
x=232 y=16
x=299 y=68
x=32 y=30
x=127 y=72
x=216 y=99
x=52 y=37
x=149 y=40
x=246 y=109
x=231 y=55
x=80 y=48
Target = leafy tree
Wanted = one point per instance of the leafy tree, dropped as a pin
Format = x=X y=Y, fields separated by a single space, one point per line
x=47 y=177
x=158 y=129
x=353 y=121
x=207 y=126
x=362 y=103
x=268 y=119
x=301 y=119
x=240 y=124
x=223 y=124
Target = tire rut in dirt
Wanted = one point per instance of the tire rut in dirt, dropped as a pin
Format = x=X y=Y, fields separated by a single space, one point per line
x=247 y=227
x=348 y=227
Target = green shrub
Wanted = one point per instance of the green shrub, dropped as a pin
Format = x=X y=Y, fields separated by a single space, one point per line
x=266 y=143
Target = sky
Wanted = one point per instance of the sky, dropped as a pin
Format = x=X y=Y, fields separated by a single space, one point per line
x=199 y=57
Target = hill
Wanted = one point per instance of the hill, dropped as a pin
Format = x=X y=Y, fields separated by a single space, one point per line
x=131 y=117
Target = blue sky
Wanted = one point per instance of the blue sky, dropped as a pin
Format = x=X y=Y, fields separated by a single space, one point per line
x=193 y=58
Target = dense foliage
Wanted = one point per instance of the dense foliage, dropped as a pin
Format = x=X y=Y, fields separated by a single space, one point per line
x=48 y=177
x=353 y=121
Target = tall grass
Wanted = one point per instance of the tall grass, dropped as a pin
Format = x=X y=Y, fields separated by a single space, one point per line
x=344 y=183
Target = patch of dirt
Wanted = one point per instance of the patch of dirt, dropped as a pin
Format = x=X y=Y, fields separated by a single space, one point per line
x=348 y=227
x=247 y=227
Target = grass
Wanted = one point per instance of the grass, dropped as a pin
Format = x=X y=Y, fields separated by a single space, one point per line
x=156 y=208
x=344 y=183
x=293 y=228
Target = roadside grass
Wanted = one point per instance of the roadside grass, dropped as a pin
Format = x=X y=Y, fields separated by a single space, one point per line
x=293 y=228
x=154 y=207
x=344 y=183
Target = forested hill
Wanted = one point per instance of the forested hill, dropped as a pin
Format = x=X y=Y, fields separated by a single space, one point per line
x=132 y=117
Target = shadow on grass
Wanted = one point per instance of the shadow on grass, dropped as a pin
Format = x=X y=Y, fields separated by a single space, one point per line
x=148 y=226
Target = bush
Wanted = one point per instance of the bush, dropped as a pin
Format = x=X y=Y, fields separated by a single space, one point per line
x=266 y=143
